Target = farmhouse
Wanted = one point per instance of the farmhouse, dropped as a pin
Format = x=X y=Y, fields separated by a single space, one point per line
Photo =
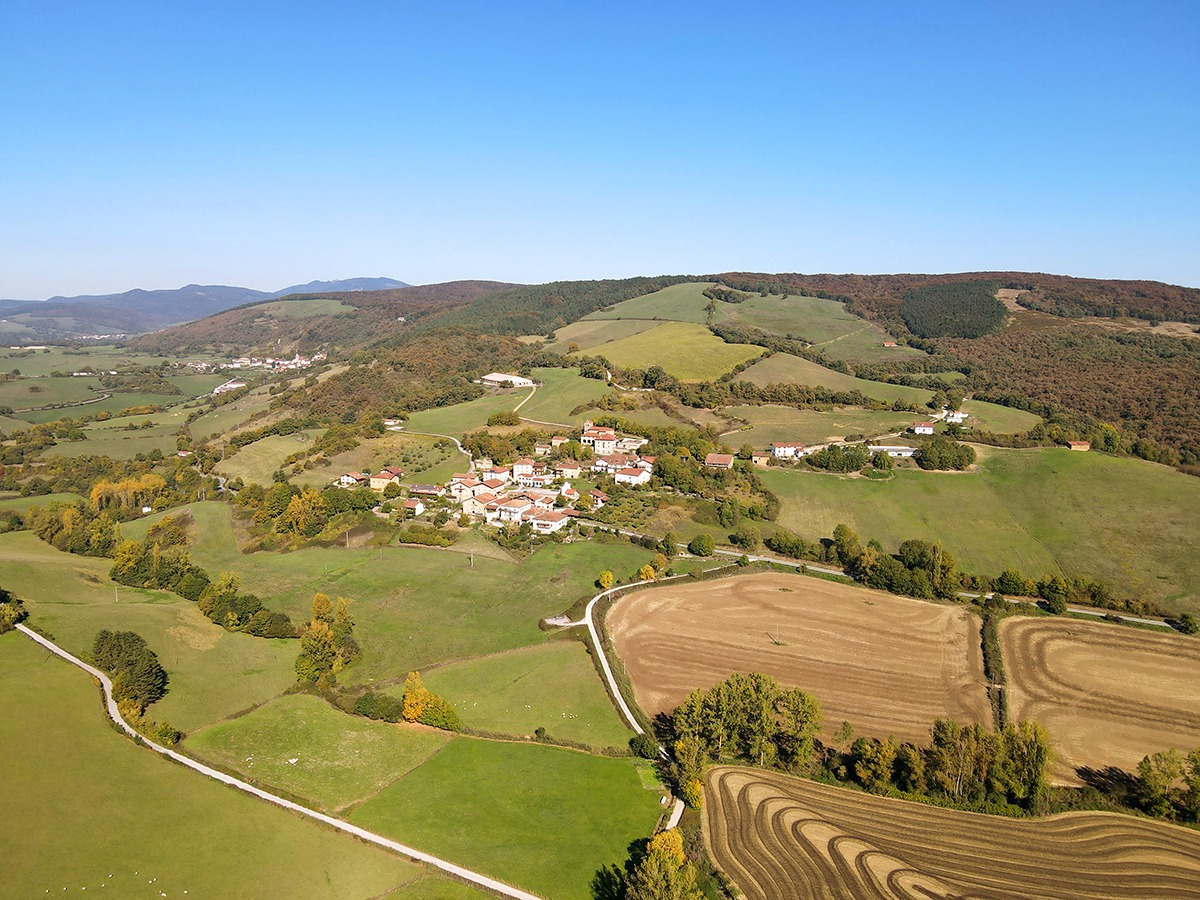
x=427 y=490
x=719 y=461
x=1083 y=446
x=631 y=476
x=567 y=468
x=500 y=379
x=414 y=506
x=549 y=521
x=353 y=480
x=603 y=441
x=760 y=458
x=460 y=490
x=896 y=451
x=922 y=428
x=385 y=476
x=557 y=441
x=477 y=505
x=889 y=343
x=512 y=510
x=542 y=448
x=232 y=385
x=599 y=498
x=523 y=466
x=787 y=450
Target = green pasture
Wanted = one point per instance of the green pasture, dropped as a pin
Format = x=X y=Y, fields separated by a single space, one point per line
x=783 y=368
x=257 y=463
x=302 y=745
x=560 y=391
x=688 y=351
x=810 y=426
x=197 y=385
x=83 y=807
x=1126 y=522
x=417 y=606
x=301 y=309
x=462 y=417
x=540 y=817
x=590 y=334
x=229 y=416
x=101 y=357
x=552 y=686
x=32 y=393
x=114 y=405
x=214 y=673
x=677 y=303
x=825 y=324
x=118 y=443
x=419 y=456
x=996 y=418
x=24 y=504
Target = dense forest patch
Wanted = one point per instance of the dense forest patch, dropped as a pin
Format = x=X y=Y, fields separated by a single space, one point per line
x=967 y=309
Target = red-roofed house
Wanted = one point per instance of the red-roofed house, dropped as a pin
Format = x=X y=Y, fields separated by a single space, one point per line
x=923 y=428
x=523 y=466
x=413 y=506
x=632 y=476
x=787 y=450
x=385 y=476
x=353 y=479
x=719 y=461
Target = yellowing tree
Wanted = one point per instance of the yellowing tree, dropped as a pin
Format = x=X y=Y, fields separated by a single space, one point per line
x=660 y=562
x=646 y=572
x=605 y=580
x=416 y=697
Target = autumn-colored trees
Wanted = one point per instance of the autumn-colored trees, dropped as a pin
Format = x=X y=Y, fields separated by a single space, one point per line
x=132 y=492
x=327 y=644
x=12 y=611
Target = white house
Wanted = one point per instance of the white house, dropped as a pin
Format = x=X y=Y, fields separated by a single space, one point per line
x=353 y=480
x=512 y=510
x=603 y=441
x=896 y=451
x=232 y=385
x=500 y=379
x=523 y=466
x=631 y=476
x=787 y=450
x=548 y=521
x=922 y=428
x=413 y=506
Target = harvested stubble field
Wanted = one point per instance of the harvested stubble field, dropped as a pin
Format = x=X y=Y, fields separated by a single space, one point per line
x=781 y=837
x=1108 y=695
x=888 y=665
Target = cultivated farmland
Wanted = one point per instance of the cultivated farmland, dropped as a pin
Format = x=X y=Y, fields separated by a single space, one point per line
x=888 y=665
x=257 y=463
x=1107 y=695
x=688 y=351
x=810 y=426
x=462 y=417
x=560 y=391
x=781 y=837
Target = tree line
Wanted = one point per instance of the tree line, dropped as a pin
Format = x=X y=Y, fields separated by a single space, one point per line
x=138 y=680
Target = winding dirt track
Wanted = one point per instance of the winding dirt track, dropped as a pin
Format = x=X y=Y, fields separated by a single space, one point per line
x=780 y=837
x=888 y=665
x=1107 y=695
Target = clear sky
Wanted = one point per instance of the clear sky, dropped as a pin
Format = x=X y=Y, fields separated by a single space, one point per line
x=268 y=143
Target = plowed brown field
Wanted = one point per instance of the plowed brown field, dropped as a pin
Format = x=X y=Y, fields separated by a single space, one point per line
x=1107 y=695
x=781 y=837
x=888 y=665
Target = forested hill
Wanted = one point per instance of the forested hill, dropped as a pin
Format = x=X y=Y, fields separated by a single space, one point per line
x=305 y=322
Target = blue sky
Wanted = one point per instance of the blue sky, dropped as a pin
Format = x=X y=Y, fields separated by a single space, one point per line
x=155 y=144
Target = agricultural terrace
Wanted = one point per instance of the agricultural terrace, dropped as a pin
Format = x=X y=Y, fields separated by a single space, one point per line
x=823 y=323
x=888 y=665
x=417 y=606
x=309 y=749
x=781 y=837
x=552 y=686
x=85 y=808
x=677 y=303
x=591 y=334
x=560 y=392
x=1108 y=695
x=423 y=459
x=214 y=673
x=301 y=309
x=462 y=417
x=810 y=426
x=689 y=352
x=1038 y=511
x=538 y=816
x=258 y=462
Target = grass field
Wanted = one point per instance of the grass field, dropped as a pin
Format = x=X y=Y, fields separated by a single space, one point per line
x=1125 y=521
x=824 y=323
x=552 y=686
x=1062 y=674
x=810 y=426
x=213 y=672
x=785 y=369
x=689 y=352
x=677 y=303
x=257 y=463
x=781 y=837
x=338 y=759
x=543 y=818
x=58 y=359
x=887 y=665
x=227 y=417
x=590 y=334
x=560 y=392
x=30 y=393
x=420 y=458
x=999 y=419
x=85 y=808
x=415 y=607
x=24 y=504
x=462 y=417
x=114 y=441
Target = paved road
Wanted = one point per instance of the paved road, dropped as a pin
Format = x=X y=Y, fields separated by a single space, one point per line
x=477 y=878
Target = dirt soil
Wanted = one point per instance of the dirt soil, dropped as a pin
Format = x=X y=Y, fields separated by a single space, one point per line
x=780 y=837
x=1108 y=694
x=887 y=665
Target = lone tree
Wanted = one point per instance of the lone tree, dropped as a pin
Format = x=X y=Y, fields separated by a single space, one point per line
x=605 y=580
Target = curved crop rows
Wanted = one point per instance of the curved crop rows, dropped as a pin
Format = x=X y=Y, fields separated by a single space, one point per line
x=1107 y=695
x=782 y=837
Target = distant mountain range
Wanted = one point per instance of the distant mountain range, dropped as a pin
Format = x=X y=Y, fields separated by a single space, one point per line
x=139 y=311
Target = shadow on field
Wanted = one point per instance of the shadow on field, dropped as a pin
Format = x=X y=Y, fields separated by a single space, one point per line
x=1115 y=782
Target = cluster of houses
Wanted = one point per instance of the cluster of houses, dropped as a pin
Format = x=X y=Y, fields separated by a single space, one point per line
x=271 y=363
